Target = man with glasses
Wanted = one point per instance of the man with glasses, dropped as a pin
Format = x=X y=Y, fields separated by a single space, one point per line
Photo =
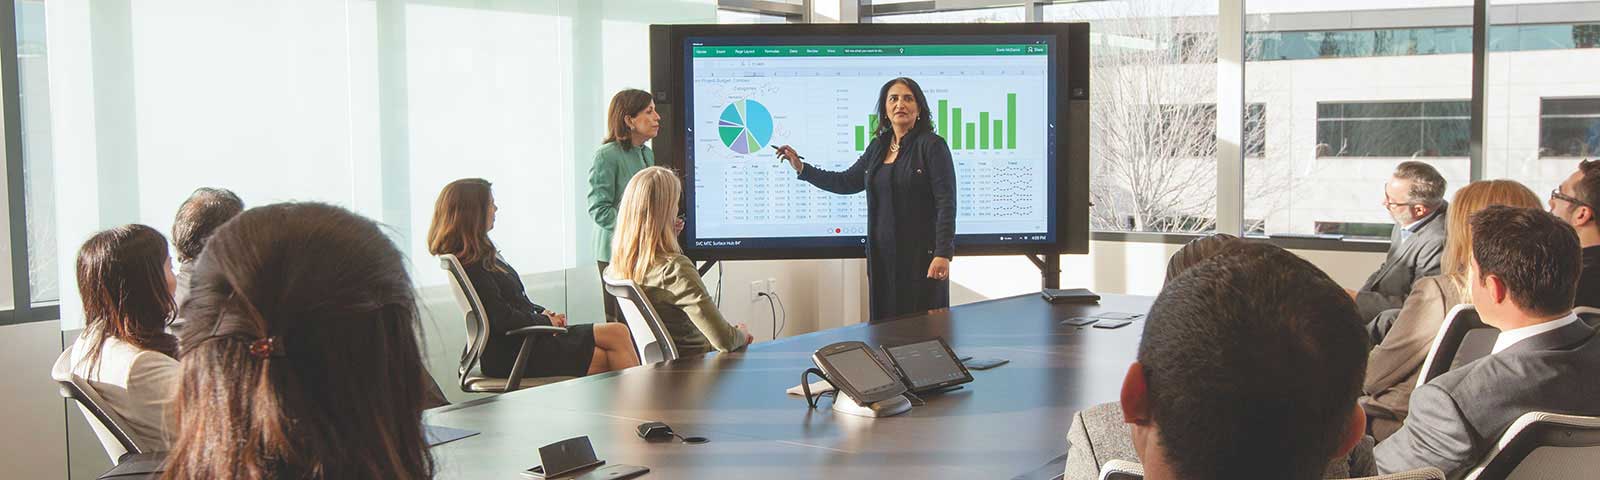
x=1574 y=201
x=1414 y=197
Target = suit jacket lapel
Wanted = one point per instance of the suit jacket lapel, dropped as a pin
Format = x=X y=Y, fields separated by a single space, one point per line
x=1564 y=338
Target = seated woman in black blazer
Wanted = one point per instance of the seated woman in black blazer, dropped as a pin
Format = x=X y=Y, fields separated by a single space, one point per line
x=462 y=219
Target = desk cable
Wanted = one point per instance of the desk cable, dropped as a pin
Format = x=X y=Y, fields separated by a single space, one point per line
x=805 y=386
x=777 y=326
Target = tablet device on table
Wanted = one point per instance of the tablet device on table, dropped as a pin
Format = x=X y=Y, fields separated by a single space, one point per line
x=853 y=368
x=928 y=365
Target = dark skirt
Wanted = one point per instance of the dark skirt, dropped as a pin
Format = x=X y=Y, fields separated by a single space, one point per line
x=565 y=355
x=896 y=286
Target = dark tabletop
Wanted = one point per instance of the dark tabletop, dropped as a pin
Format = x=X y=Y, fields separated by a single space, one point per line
x=1009 y=421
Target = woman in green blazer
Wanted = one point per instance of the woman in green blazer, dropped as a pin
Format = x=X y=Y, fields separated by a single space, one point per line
x=632 y=120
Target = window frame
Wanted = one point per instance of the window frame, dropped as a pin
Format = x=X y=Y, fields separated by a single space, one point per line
x=24 y=309
x=1548 y=116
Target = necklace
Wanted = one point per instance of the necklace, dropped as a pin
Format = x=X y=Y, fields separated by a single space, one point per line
x=894 y=147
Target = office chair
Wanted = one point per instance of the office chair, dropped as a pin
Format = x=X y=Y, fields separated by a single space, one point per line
x=1122 y=470
x=1589 y=315
x=1125 y=470
x=1543 y=445
x=106 y=423
x=478 y=336
x=649 y=334
x=1462 y=338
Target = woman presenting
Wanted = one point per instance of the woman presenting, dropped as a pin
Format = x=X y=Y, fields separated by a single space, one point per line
x=911 y=203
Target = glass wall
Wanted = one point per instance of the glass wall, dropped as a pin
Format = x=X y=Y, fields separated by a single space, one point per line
x=1542 y=109
x=1153 y=113
x=1352 y=90
x=370 y=105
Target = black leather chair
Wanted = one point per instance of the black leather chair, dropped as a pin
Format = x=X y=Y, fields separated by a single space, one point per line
x=478 y=336
x=104 y=422
x=1543 y=445
x=650 y=336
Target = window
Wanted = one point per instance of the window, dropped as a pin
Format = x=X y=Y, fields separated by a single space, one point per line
x=1542 y=100
x=977 y=15
x=1149 y=171
x=1345 y=103
x=1393 y=129
x=1569 y=127
x=725 y=16
x=38 y=169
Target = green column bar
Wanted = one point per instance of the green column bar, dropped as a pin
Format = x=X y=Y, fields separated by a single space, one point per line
x=1011 y=120
x=970 y=132
x=983 y=131
x=997 y=144
x=872 y=123
x=955 y=132
x=861 y=137
x=944 y=117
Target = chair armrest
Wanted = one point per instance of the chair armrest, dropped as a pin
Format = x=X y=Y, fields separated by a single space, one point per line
x=537 y=329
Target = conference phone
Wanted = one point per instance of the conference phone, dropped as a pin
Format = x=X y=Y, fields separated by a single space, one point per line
x=870 y=388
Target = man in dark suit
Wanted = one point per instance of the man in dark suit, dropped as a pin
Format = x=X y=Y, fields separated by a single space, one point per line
x=1574 y=201
x=1524 y=271
x=1249 y=367
x=1414 y=197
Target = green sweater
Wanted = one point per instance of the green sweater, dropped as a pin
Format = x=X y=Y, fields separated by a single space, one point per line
x=691 y=317
x=609 y=175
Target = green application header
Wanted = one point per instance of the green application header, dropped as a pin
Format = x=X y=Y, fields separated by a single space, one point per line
x=868 y=50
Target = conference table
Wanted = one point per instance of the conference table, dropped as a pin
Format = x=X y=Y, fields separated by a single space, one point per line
x=1010 y=421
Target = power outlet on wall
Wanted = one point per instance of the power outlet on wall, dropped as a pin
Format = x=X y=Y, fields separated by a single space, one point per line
x=757 y=287
x=772 y=286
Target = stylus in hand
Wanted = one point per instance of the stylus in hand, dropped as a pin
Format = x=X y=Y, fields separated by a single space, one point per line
x=787 y=150
x=787 y=153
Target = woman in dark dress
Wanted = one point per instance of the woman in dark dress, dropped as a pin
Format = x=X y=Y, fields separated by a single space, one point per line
x=462 y=219
x=910 y=182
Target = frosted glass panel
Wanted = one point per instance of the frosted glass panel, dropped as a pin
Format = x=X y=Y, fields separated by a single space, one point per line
x=485 y=99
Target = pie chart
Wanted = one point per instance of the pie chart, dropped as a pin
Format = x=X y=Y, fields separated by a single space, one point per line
x=745 y=126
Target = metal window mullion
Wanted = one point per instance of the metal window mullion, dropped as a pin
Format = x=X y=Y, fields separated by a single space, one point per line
x=16 y=193
x=1230 y=117
x=1480 y=48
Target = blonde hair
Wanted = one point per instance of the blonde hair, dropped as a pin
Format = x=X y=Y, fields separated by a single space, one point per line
x=645 y=216
x=1471 y=199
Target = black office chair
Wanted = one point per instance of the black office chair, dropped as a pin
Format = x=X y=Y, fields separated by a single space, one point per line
x=1543 y=445
x=105 y=423
x=478 y=336
x=1462 y=338
x=649 y=334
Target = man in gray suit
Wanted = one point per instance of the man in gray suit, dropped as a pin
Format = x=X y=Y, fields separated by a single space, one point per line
x=1249 y=367
x=1524 y=273
x=1414 y=197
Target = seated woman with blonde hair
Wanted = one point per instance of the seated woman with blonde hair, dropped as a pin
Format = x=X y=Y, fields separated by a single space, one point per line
x=645 y=250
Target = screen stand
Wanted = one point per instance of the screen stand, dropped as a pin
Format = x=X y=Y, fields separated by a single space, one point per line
x=1049 y=269
x=896 y=405
x=706 y=267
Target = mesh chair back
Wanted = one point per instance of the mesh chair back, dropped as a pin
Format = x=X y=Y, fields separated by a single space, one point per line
x=1589 y=315
x=1121 y=470
x=649 y=334
x=1427 y=473
x=1462 y=338
x=105 y=423
x=1543 y=445
x=472 y=309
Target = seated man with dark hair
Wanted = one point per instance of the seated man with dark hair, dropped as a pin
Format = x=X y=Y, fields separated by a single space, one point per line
x=1524 y=272
x=1249 y=367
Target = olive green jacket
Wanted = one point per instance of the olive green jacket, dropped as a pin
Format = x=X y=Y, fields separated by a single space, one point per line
x=686 y=309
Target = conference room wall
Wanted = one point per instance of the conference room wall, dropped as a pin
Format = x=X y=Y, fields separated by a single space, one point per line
x=1118 y=267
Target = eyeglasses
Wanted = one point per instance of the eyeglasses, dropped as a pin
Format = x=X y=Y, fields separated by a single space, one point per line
x=1556 y=194
x=1388 y=204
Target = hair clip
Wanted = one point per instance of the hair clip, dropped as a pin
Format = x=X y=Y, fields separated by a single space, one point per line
x=266 y=347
